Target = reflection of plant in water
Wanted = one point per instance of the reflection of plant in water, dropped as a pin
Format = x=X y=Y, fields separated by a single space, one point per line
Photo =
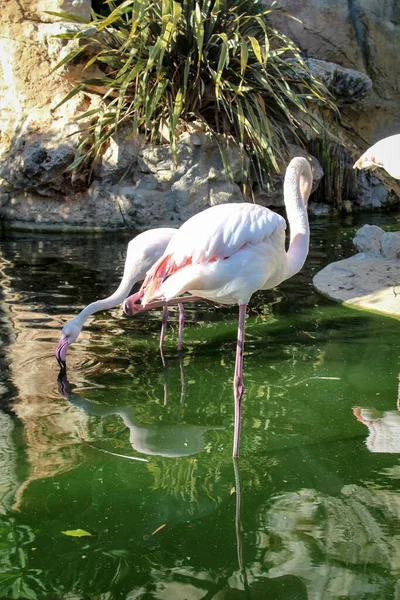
x=190 y=478
x=17 y=580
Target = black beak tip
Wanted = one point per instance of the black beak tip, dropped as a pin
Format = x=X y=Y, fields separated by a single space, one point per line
x=62 y=363
x=125 y=309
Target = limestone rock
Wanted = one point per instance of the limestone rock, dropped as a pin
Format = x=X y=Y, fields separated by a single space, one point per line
x=390 y=244
x=38 y=162
x=370 y=279
x=365 y=281
x=135 y=185
x=368 y=239
x=319 y=209
x=373 y=240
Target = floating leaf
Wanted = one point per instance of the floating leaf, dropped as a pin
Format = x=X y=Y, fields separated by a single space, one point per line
x=159 y=528
x=77 y=533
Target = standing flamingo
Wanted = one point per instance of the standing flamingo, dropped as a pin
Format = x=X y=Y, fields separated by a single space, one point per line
x=142 y=252
x=229 y=251
x=385 y=154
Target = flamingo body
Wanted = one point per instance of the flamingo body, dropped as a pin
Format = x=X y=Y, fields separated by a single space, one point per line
x=142 y=252
x=223 y=254
x=229 y=251
x=385 y=154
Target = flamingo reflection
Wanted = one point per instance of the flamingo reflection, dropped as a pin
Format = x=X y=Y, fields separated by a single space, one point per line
x=170 y=441
x=384 y=427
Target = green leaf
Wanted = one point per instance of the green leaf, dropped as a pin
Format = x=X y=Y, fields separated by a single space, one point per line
x=77 y=533
x=67 y=16
x=70 y=56
x=256 y=49
x=244 y=57
x=178 y=105
x=71 y=94
x=222 y=63
x=199 y=32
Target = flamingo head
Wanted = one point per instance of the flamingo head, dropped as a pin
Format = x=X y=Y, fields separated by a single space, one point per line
x=69 y=333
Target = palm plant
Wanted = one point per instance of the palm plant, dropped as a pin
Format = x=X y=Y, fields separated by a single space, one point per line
x=167 y=63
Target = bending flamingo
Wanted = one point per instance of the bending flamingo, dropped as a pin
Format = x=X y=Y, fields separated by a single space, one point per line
x=229 y=251
x=385 y=154
x=142 y=252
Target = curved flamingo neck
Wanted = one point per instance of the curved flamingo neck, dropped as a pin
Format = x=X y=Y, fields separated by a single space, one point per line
x=120 y=294
x=297 y=188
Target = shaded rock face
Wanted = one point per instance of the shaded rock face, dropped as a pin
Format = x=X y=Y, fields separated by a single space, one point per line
x=134 y=186
x=362 y=35
x=346 y=85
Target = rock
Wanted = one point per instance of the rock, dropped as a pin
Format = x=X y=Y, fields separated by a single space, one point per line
x=347 y=206
x=363 y=35
x=364 y=281
x=369 y=279
x=346 y=85
x=372 y=240
x=390 y=244
x=371 y=193
x=135 y=186
x=39 y=162
x=368 y=239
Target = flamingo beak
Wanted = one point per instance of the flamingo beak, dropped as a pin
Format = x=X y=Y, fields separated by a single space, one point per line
x=61 y=352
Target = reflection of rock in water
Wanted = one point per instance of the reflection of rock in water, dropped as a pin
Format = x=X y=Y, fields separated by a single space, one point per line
x=341 y=546
x=52 y=432
x=384 y=429
x=50 y=427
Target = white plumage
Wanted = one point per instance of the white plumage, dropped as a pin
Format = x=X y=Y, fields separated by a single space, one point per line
x=385 y=154
x=229 y=251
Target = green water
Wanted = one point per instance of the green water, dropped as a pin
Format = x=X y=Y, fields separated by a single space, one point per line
x=139 y=455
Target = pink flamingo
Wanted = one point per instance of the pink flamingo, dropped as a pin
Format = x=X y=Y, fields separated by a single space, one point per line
x=227 y=252
x=385 y=154
x=142 y=252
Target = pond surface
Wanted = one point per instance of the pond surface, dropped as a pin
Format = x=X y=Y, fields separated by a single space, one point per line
x=139 y=455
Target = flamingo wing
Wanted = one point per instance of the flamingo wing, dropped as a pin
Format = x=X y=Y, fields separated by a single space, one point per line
x=214 y=234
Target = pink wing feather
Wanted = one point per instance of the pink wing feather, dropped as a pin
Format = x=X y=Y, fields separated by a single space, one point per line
x=213 y=234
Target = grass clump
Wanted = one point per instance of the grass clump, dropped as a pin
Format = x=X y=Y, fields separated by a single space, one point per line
x=339 y=182
x=220 y=63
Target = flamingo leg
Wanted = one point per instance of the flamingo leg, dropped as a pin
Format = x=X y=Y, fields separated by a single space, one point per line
x=181 y=324
x=238 y=387
x=163 y=326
